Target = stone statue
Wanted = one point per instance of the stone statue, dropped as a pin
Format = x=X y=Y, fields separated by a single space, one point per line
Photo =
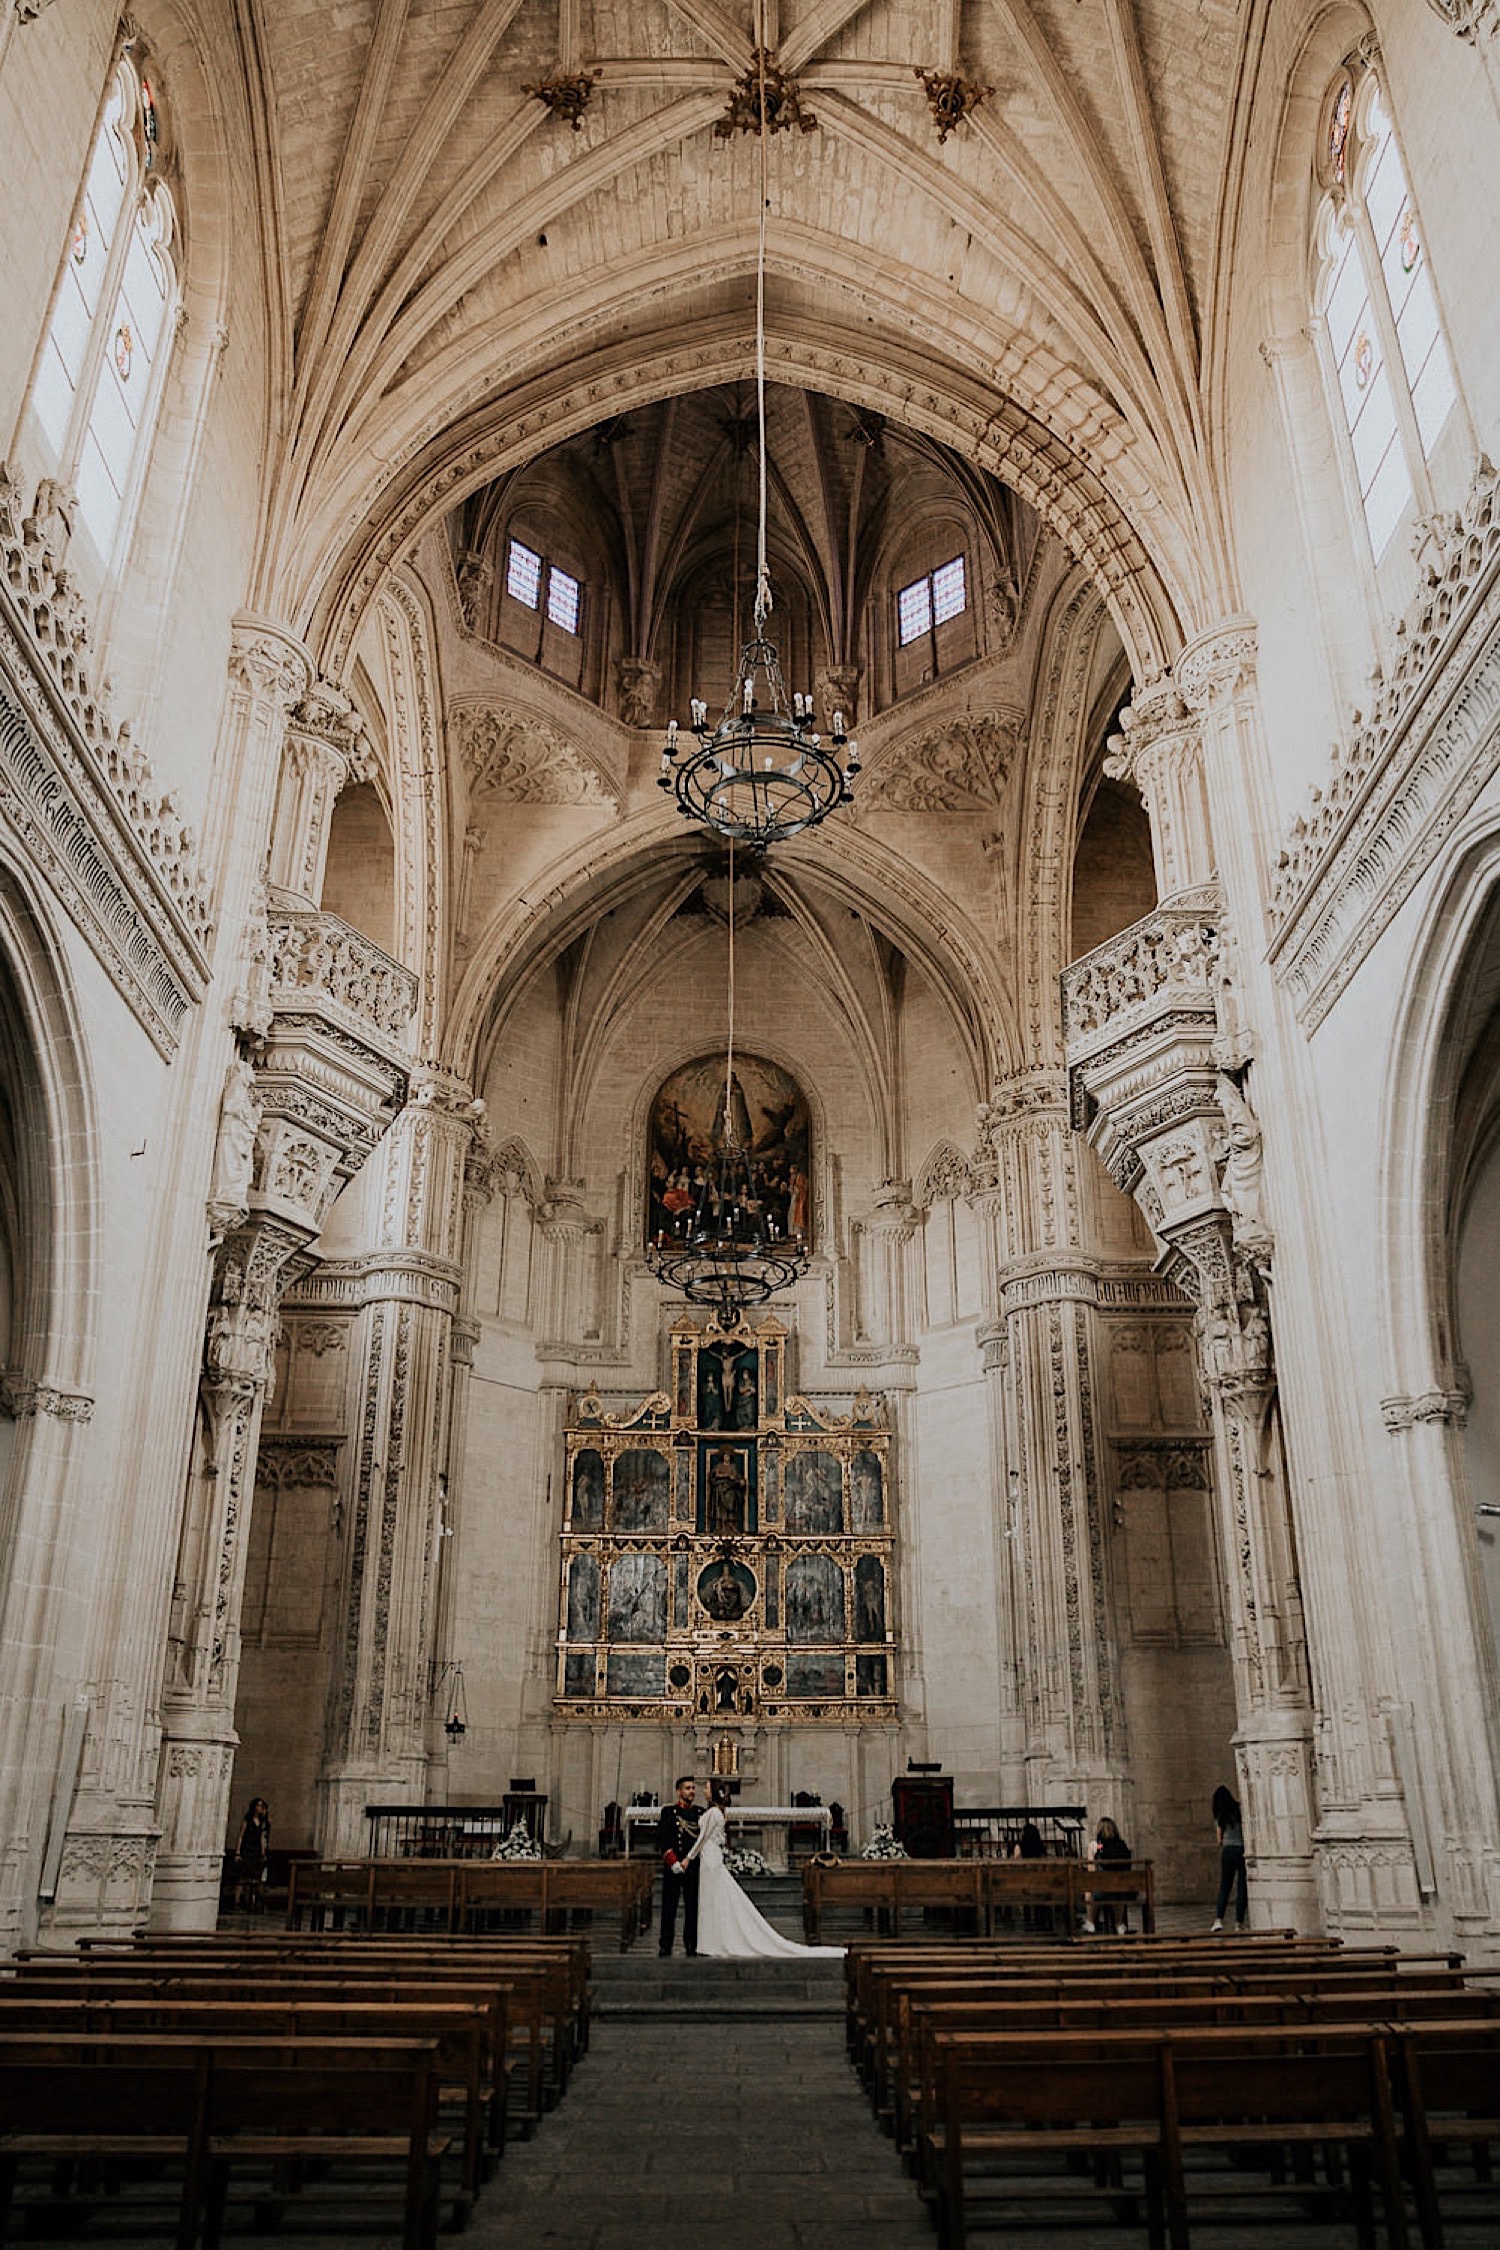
x=640 y=686
x=234 y=1156
x=1242 y=1167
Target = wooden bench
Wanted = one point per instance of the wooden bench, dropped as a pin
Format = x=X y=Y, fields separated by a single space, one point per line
x=1158 y=2096
x=469 y=2041
x=222 y=2101
x=889 y=1891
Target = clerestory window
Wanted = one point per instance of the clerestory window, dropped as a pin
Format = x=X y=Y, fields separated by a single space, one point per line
x=1385 y=355
x=98 y=380
x=539 y=584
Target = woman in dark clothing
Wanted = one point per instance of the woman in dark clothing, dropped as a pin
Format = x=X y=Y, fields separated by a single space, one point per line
x=1109 y=1849
x=1230 y=1825
x=252 y=1851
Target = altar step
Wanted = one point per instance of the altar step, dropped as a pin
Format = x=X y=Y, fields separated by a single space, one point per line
x=642 y=1986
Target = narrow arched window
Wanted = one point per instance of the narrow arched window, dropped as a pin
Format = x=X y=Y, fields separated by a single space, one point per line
x=1384 y=351
x=98 y=379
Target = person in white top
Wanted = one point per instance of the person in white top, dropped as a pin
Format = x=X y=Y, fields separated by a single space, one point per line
x=729 y=1927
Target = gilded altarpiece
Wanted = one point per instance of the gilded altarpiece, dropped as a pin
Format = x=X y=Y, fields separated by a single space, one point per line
x=727 y=1550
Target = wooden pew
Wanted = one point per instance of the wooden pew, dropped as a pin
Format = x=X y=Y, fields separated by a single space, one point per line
x=1158 y=2096
x=359 y=2102
x=891 y=1890
x=469 y=2042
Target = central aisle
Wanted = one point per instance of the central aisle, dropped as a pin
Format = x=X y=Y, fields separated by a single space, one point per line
x=714 y=2097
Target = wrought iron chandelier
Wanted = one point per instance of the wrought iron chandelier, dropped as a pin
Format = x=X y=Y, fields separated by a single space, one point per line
x=724 y=1250
x=763 y=771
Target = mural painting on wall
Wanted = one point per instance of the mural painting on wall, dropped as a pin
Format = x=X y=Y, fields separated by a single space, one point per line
x=727 y=1546
x=768 y=1115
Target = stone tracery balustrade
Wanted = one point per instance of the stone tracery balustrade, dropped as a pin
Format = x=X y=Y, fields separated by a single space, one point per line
x=51 y=612
x=1469 y=544
x=318 y=956
x=1165 y=964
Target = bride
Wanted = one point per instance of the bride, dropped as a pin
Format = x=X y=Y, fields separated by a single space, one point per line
x=729 y=1928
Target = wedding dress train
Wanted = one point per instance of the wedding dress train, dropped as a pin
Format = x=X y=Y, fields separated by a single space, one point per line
x=729 y=1927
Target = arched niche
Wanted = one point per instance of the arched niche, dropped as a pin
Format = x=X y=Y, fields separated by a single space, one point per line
x=360 y=883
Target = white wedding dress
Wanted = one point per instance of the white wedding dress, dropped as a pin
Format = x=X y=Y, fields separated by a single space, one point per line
x=729 y=1928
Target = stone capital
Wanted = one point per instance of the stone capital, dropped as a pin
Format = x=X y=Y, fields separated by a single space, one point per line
x=268 y=663
x=1219 y=664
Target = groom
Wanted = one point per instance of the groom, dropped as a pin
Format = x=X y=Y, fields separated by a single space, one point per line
x=676 y=1834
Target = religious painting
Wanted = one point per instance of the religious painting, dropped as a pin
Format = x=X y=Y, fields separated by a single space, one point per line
x=642 y=1483
x=638 y=1598
x=813 y=1493
x=815 y=1675
x=588 y=1489
x=768 y=1116
x=641 y=1672
x=726 y=1488
x=870 y=1675
x=583 y=1599
x=867 y=1492
x=869 y=1599
x=728 y=1388
x=578 y=1672
x=726 y=1589
x=814 y=1598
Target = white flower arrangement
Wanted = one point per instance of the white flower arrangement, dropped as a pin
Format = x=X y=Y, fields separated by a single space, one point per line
x=518 y=1844
x=743 y=1860
x=883 y=1845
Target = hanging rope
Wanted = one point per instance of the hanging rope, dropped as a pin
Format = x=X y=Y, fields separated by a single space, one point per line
x=762 y=566
x=729 y=1125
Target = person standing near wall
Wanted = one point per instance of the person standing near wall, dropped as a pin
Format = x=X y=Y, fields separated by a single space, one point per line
x=1229 y=1822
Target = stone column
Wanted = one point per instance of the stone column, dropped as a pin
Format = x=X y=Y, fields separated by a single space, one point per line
x=1160 y=750
x=324 y=749
x=1071 y=1717
x=1143 y=1017
x=203 y=1647
x=377 y=1741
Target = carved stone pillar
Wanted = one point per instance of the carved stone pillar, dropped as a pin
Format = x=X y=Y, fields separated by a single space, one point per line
x=203 y=1645
x=1071 y=1717
x=566 y=1225
x=1142 y=1022
x=377 y=1740
x=292 y=1131
x=1160 y=750
x=324 y=749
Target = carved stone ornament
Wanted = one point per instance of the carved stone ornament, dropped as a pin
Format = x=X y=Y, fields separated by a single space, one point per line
x=640 y=690
x=475 y=576
x=1413 y=766
x=1467 y=17
x=764 y=85
x=234 y=1155
x=567 y=94
x=950 y=97
x=318 y=955
x=24 y=1399
x=1241 y=1180
x=1450 y=1407
x=519 y=761
x=955 y=768
x=112 y=849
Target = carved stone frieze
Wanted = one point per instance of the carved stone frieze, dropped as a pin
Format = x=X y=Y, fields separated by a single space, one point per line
x=80 y=798
x=1413 y=766
x=318 y=956
x=296 y=1463
x=960 y=767
x=520 y=760
x=25 y=1399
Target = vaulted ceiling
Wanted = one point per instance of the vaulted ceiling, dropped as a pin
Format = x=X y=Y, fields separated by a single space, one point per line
x=468 y=272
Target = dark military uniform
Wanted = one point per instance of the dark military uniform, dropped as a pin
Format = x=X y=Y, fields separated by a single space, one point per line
x=676 y=1834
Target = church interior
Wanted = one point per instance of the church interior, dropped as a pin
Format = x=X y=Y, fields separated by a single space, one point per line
x=407 y=407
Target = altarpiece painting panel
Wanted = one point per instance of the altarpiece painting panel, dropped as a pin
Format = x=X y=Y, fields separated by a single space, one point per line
x=728 y=1547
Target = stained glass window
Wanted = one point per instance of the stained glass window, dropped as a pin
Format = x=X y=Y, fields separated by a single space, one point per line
x=562 y=599
x=931 y=600
x=97 y=380
x=523 y=575
x=1385 y=345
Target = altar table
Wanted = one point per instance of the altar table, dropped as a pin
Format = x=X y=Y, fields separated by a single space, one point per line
x=777 y=1820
